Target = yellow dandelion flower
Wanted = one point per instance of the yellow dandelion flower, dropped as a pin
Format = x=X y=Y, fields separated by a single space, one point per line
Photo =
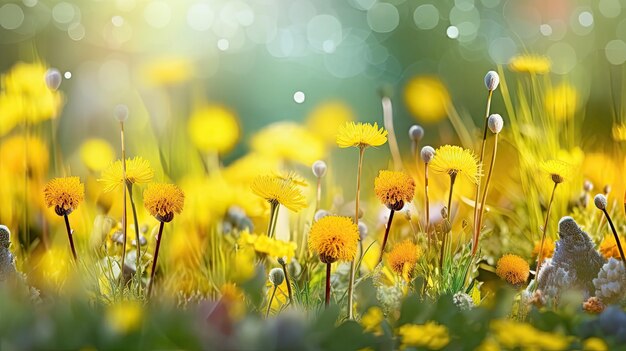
x=268 y=246
x=334 y=238
x=559 y=171
x=124 y=317
x=372 y=319
x=533 y=64
x=64 y=194
x=24 y=155
x=548 y=249
x=138 y=171
x=277 y=190
x=292 y=177
x=394 y=189
x=608 y=247
x=561 y=101
x=213 y=128
x=454 y=160
x=427 y=98
x=431 y=336
x=288 y=141
x=360 y=135
x=512 y=268
x=326 y=119
x=162 y=200
x=403 y=258
x=96 y=154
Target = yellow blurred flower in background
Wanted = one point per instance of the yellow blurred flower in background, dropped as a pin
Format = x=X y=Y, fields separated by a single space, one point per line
x=24 y=155
x=26 y=95
x=608 y=247
x=431 y=336
x=426 y=98
x=403 y=258
x=561 y=102
x=288 y=141
x=618 y=132
x=372 y=319
x=548 y=249
x=326 y=118
x=559 y=171
x=511 y=335
x=533 y=64
x=124 y=317
x=213 y=128
x=269 y=246
x=246 y=168
x=165 y=71
x=52 y=269
x=96 y=154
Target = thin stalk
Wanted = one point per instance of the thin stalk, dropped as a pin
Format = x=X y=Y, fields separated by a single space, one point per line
x=445 y=235
x=273 y=211
x=69 y=236
x=427 y=205
x=382 y=248
x=124 y=213
x=327 y=298
x=619 y=244
x=156 y=256
x=269 y=304
x=545 y=227
x=132 y=205
x=287 y=282
x=482 y=156
x=356 y=221
x=318 y=198
x=484 y=197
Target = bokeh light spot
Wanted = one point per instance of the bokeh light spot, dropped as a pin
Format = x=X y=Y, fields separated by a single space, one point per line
x=615 y=51
x=383 y=18
x=298 y=97
x=426 y=16
x=11 y=16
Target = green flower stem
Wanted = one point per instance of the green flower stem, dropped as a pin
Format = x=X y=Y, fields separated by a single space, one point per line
x=356 y=221
x=269 y=304
x=69 y=236
x=156 y=256
x=481 y=210
x=545 y=228
x=387 y=228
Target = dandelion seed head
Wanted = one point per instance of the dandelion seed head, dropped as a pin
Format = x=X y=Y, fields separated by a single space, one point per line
x=600 y=201
x=416 y=133
x=277 y=276
x=495 y=123
x=427 y=154
x=492 y=80
x=319 y=168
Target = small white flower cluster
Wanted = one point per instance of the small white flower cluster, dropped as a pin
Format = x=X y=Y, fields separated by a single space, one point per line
x=463 y=301
x=611 y=282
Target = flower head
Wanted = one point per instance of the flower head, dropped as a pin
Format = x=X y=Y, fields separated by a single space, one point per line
x=513 y=269
x=65 y=194
x=277 y=276
x=600 y=201
x=162 y=200
x=427 y=98
x=288 y=141
x=558 y=170
x=416 y=133
x=334 y=238
x=372 y=319
x=403 y=258
x=138 y=171
x=608 y=247
x=495 y=123
x=532 y=64
x=319 y=168
x=279 y=190
x=213 y=128
x=548 y=249
x=394 y=189
x=431 y=336
x=492 y=80
x=24 y=156
x=427 y=153
x=453 y=160
x=361 y=135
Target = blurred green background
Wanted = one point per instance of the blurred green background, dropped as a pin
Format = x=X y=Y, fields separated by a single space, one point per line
x=260 y=56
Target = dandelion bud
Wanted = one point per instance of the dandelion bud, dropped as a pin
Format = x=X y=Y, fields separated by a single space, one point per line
x=587 y=186
x=416 y=133
x=492 y=79
x=282 y=261
x=121 y=112
x=600 y=201
x=320 y=214
x=277 y=276
x=319 y=168
x=444 y=212
x=53 y=79
x=495 y=123
x=5 y=236
x=362 y=230
x=427 y=153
